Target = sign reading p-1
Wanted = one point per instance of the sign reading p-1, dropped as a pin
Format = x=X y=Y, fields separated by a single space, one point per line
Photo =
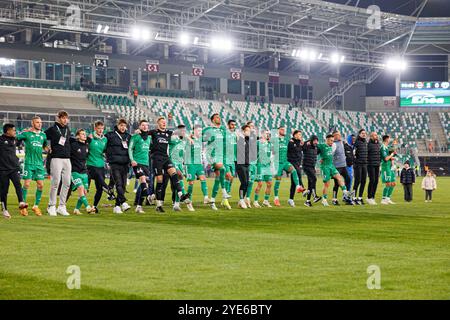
x=101 y=61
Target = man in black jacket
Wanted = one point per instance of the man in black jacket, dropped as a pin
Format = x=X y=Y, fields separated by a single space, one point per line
x=309 y=167
x=407 y=179
x=294 y=156
x=119 y=162
x=60 y=167
x=373 y=167
x=360 y=166
x=245 y=155
x=10 y=169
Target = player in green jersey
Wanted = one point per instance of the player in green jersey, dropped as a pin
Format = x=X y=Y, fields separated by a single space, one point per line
x=138 y=151
x=35 y=142
x=230 y=154
x=96 y=163
x=328 y=170
x=177 y=148
x=194 y=165
x=387 y=170
x=264 y=170
x=280 y=143
x=214 y=136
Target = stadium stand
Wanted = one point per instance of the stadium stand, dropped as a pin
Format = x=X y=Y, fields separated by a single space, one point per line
x=445 y=120
x=407 y=127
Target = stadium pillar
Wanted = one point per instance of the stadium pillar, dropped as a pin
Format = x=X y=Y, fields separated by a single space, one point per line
x=397 y=90
x=139 y=78
x=448 y=68
x=121 y=46
x=75 y=37
x=242 y=60
x=166 y=51
x=205 y=56
x=28 y=36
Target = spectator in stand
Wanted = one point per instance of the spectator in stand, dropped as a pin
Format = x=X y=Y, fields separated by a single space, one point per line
x=135 y=95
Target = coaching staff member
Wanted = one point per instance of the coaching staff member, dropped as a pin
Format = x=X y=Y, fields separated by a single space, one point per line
x=60 y=166
x=119 y=162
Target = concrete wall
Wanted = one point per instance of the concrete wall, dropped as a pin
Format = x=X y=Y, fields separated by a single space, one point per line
x=355 y=98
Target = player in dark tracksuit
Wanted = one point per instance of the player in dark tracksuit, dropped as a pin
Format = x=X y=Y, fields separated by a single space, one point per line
x=360 y=166
x=9 y=169
x=119 y=162
x=294 y=156
x=161 y=163
x=309 y=168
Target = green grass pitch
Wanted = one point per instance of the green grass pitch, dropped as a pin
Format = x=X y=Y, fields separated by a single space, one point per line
x=279 y=253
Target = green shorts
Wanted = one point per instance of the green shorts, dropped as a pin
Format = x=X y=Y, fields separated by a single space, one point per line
x=387 y=175
x=264 y=173
x=252 y=172
x=80 y=180
x=179 y=167
x=194 y=171
x=328 y=172
x=230 y=168
x=283 y=167
x=33 y=172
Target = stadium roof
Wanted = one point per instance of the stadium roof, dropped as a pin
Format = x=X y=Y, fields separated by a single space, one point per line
x=260 y=29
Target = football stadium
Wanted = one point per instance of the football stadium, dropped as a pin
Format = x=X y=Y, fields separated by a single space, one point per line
x=225 y=150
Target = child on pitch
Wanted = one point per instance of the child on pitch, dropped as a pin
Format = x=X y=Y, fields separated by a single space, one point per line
x=79 y=150
x=429 y=185
x=407 y=179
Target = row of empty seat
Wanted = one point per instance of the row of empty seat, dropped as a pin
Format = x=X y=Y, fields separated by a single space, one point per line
x=123 y=106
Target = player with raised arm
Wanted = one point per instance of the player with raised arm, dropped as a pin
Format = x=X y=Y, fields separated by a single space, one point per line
x=194 y=166
x=214 y=136
x=329 y=171
x=264 y=170
x=230 y=154
x=79 y=150
x=138 y=151
x=96 y=163
x=161 y=163
x=177 y=148
x=280 y=143
x=35 y=141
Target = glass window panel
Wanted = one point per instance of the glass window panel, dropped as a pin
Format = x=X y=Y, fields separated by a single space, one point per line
x=234 y=86
x=58 y=71
x=37 y=69
x=49 y=71
x=22 y=69
x=112 y=76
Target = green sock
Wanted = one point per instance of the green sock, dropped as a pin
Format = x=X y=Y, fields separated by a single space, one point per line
x=256 y=196
x=79 y=204
x=215 y=189
x=249 y=189
x=325 y=196
x=190 y=190
x=227 y=185
x=391 y=191
x=295 y=177
x=38 y=197
x=343 y=188
x=204 y=186
x=24 y=194
x=266 y=196
x=276 y=189
x=385 y=192
x=84 y=201
x=222 y=178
